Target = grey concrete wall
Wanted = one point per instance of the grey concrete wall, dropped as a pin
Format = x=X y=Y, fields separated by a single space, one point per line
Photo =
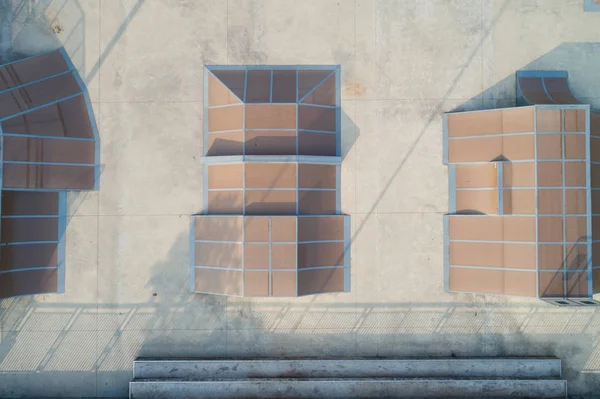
x=309 y=388
x=349 y=368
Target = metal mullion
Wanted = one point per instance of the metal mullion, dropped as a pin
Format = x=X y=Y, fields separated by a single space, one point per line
x=589 y=202
x=22 y=85
x=237 y=159
x=317 y=131
x=205 y=133
x=297 y=192
x=566 y=160
x=244 y=131
x=222 y=242
x=8 y=244
x=267 y=243
x=40 y=136
x=564 y=204
x=272 y=130
x=568 y=271
x=277 y=67
x=316 y=241
x=338 y=113
x=217 y=268
x=314 y=189
x=488 y=162
x=271 y=93
x=500 y=186
x=543 y=79
x=317 y=86
x=61 y=246
x=514 y=242
x=224 y=106
x=495 y=242
x=29 y=57
x=297 y=131
x=26 y=269
x=41 y=106
x=270 y=256
x=324 y=267
x=537 y=240
x=296 y=271
x=231 y=268
x=217 y=293
x=319 y=106
x=282 y=189
x=91 y=116
x=243 y=257
x=569 y=133
x=192 y=283
x=48 y=163
x=451 y=189
x=484 y=136
x=217 y=132
x=1 y=168
x=480 y=267
x=30 y=217
x=484 y=188
x=245 y=85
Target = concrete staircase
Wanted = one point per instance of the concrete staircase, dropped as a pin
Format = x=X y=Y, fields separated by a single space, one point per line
x=349 y=378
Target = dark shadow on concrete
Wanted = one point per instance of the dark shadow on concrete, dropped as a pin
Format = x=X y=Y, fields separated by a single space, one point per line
x=580 y=60
x=33 y=27
x=109 y=47
x=30 y=27
x=349 y=134
x=176 y=324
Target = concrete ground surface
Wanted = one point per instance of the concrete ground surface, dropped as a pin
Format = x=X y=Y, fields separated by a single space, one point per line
x=404 y=63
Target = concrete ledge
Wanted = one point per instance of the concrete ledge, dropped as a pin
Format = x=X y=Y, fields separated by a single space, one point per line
x=305 y=159
x=350 y=368
x=348 y=388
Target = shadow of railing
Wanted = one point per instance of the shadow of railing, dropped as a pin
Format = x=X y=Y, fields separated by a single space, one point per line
x=287 y=328
x=38 y=26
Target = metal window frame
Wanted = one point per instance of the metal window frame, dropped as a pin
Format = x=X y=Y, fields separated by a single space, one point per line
x=346 y=266
x=297 y=159
x=590 y=6
x=452 y=194
x=62 y=193
x=60 y=243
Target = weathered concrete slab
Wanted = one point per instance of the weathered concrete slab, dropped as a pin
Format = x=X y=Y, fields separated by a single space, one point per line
x=349 y=388
x=348 y=368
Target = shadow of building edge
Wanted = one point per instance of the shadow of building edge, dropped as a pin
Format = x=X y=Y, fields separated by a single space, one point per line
x=503 y=94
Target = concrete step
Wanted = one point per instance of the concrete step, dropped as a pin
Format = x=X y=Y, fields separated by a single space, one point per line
x=349 y=388
x=350 y=368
